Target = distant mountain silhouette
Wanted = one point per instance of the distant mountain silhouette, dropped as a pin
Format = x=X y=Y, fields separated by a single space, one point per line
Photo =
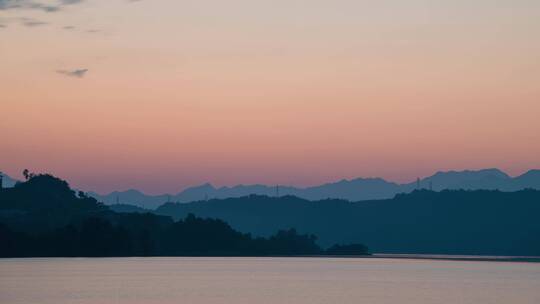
x=531 y=179
x=8 y=182
x=488 y=222
x=354 y=190
x=44 y=217
x=132 y=197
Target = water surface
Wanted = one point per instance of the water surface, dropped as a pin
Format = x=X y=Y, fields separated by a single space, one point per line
x=266 y=280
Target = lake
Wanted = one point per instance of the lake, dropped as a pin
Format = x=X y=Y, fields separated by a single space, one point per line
x=266 y=280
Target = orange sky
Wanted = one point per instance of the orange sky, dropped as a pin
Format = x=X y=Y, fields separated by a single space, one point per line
x=292 y=92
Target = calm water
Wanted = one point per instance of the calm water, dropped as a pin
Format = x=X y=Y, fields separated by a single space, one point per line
x=266 y=280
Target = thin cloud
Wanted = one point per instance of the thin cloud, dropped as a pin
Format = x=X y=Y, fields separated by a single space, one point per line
x=32 y=22
x=79 y=73
x=69 y=2
x=28 y=4
x=36 y=5
x=48 y=6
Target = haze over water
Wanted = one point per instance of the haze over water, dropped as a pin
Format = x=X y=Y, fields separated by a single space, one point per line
x=266 y=280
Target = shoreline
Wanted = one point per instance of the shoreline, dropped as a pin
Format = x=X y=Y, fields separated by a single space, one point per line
x=396 y=256
x=476 y=258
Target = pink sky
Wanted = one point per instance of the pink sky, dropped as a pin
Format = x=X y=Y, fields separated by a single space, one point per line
x=179 y=93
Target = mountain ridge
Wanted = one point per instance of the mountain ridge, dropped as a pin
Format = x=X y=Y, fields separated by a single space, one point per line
x=356 y=189
x=485 y=222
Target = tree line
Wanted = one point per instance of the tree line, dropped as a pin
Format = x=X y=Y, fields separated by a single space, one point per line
x=43 y=217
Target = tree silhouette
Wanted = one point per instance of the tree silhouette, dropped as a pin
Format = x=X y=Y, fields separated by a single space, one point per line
x=45 y=217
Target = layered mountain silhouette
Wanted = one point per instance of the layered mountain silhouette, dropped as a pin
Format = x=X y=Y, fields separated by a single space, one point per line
x=484 y=222
x=354 y=190
x=44 y=217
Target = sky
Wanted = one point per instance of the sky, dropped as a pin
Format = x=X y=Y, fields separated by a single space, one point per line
x=164 y=94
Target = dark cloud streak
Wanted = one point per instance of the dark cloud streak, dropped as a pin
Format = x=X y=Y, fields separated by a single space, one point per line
x=79 y=73
x=29 y=22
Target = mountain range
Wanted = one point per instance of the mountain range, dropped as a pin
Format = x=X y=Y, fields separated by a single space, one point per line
x=485 y=222
x=357 y=189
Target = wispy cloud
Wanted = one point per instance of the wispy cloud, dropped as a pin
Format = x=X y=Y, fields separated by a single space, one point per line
x=68 y=2
x=30 y=22
x=36 y=5
x=48 y=6
x=28 y=4
x=78 y=73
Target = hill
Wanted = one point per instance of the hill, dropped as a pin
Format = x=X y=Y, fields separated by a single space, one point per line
x=487 y=222
x=44 y=217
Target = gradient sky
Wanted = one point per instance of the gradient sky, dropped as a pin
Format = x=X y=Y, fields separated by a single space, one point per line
x=162 y=94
